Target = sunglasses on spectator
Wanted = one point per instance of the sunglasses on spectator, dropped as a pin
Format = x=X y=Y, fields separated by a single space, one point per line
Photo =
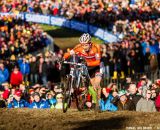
x=59 y=97
x=149 y=93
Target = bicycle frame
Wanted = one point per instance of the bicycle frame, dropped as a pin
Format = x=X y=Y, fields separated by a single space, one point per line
x=77 y=78
x=83 y=73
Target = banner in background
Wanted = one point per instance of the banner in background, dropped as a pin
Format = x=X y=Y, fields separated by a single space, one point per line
x=111 y=37
x=58 y=21
x=92 y=29
x=99 y=33
x=79 y=26
x=63 y=22
x=37 y=18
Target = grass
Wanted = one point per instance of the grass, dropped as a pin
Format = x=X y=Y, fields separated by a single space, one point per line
x=64 y=37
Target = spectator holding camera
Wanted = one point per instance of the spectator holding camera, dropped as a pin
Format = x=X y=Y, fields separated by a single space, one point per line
x=105 y=102
x=123 y=102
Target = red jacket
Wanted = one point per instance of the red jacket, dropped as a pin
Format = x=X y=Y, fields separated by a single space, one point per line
x=5 y=94
x=16 y=79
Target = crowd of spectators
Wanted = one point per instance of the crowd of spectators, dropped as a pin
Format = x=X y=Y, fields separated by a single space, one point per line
x=132 y=56
x=29 y=80
x=143 y=96
x=18 y=37
x=105 y=13
x=25 y=74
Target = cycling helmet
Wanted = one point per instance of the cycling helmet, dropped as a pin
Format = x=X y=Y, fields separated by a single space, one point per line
x=85 y=38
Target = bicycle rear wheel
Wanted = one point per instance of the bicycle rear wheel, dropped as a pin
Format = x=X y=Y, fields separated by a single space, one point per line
x=67 y=94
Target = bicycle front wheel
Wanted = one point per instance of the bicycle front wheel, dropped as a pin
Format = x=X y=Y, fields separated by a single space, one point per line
x=80 y=94
x=67 y=94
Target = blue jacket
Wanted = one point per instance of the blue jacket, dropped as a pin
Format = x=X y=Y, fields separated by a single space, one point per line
x=24 y=67
x=154 y=49
x=4 y=75
x=41 y=104
x=52 y=101
x=15 y=104
x=107 y=105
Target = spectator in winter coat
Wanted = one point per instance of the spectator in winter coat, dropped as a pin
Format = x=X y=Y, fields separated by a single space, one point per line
x=42 y=70
x=4 y=74
x=59 y=98
x=153 y=66
x=38 y=102
x=16 y=77
x=51 y=99
x=122 y=102
x=147 y=61
x=6 y=91
x=34 y=71
x=132 y=95
x=16 y=101
x=145 y=104
x=24 y=68
x=105 y=102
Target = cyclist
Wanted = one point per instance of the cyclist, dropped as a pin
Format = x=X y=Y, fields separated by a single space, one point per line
x=91 y=53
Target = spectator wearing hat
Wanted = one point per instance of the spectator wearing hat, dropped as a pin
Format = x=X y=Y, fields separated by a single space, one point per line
x=105 y=102
x=38 y=102
x=145 y=104
x=122 y=102
x=59 y=103
x=16 y=77
x=16 y=101
x=50 y=96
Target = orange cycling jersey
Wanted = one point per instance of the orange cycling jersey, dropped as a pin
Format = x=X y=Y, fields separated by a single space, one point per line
x=92 y=57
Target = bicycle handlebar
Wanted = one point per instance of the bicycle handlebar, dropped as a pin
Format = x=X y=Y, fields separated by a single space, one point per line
x=72 y=63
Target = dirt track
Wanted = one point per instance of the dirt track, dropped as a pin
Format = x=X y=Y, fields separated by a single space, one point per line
x=26 y=119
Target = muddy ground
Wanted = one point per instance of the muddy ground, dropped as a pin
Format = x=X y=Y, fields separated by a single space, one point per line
x=27 y=119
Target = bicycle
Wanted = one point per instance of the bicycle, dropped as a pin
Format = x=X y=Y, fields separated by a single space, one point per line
x=76 y=85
